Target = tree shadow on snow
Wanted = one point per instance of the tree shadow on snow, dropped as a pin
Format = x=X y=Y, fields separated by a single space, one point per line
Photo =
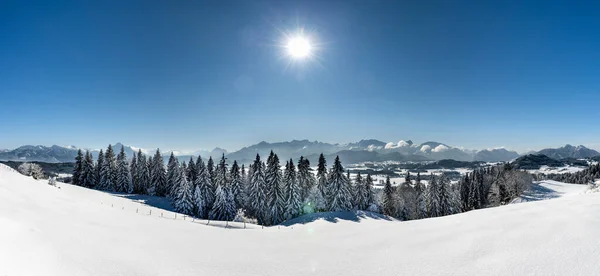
x=538 y=192
x=154 y=201
x=334 y=217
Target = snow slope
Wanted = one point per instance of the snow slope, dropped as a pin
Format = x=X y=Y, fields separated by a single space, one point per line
x=549 y=189
x=68 y=231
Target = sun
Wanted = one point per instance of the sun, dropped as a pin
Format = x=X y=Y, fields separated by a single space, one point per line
x=298 y=47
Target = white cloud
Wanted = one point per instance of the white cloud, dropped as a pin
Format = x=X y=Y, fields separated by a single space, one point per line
x=425 y=148
x=400 y=144
x=440 y=148
x=373 y=147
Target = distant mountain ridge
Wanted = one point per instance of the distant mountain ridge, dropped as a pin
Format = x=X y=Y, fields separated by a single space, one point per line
x=367 y=150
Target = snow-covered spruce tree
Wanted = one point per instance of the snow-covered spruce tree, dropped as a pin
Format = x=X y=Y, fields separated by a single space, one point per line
x=353 y=191
x=78 y=169
x=322 y=180
x=224 y=206
x=183 y=198
x=123 y=174
x=150 y=188
x=210 y=167
x=236 y=185
x=339 y=188
x=133 y=171
x=434 y=208
x=108 y=174
x=87 y=178
x=192 y=172
x=275 y=192
x=159 y=175
x=408 y=198
x=292 y=190
x=359 y=195
x=306 y=178
x=367 y=191
x=244 y=189
x=143 y=171
x=257 y=192
x=388 y=204
x=203 y=193
x=172 y=175
x=98 y=170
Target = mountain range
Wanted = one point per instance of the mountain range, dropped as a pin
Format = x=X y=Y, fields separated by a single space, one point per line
x=370 y=150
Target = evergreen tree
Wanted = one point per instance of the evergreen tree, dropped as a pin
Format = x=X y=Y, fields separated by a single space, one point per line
x=108 y=172
x=203 y=195
x=143 y=172
x=407 y=200
x=150 y=189
x=159 y=176
x=237 y=185
x=306 y=178
x=210 y=166
x=123 y=183
x=183 y=198
x=292 y=190
x=275 y=193
x=134 y=175
x=360 y=195
x=172 y=175
x=389 y=206
x=88 y=176
x=224 y=206
x=434 y=208
x=368 y=193
x=339 y=188
x=322 y=180
x=192 y=173
x=98 y=173
x=244 y=189
x=257 y=196
x=78 y=169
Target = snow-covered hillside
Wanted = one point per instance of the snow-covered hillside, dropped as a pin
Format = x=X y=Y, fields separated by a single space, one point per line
x=45 y=230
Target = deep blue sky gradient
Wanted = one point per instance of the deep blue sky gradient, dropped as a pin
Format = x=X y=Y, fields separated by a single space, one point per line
x=190 y=74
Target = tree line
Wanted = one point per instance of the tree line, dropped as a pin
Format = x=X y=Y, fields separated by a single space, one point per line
x=585 y=176
x=271 y=194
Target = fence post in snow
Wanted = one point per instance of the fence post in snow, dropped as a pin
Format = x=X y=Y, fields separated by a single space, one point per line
x=150 y=211
x=183 y=217
x=136 y=210
x=175 y=216
x=161 y=214
x=226 y=224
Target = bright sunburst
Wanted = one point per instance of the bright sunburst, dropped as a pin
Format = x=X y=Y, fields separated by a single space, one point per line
x=298 y=47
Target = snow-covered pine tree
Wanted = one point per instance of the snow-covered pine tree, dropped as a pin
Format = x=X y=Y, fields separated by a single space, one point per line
x=123 y=175
x=210 y=167
x=236 y=185
x=257 y=192
x=159 y=175
x=292 y=190
x=88 y=177
x=306 y=178
x=98 y=169
x=275 y=193
x=224 y=206
x=322 y=179
x=172 y=175
x=445 y=196
x=244 y=188
x=78 y=169
x=150 y=188
x=183 y=198
x=109 y=171
x=388 y=204
x=339 y=188
x=359 y=193
x=134 y=175
x=192 y=173
x=408 y=199
x=203 y=194
x=367 y=191
x=433 y=200
x=143 y=172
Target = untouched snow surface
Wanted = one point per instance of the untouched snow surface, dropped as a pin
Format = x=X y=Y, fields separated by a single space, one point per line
x=549 y=189
x=45 y=230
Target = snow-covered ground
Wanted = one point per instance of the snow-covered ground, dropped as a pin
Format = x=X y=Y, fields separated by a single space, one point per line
x=45 y=230
x=549 y=189
x=558 y=170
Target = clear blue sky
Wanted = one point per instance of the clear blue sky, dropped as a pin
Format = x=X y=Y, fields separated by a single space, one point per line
x=190 y=74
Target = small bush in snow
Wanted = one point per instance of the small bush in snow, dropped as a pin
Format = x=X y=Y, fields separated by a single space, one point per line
x=240 y=216
x=52 y=181
x=30 y=169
